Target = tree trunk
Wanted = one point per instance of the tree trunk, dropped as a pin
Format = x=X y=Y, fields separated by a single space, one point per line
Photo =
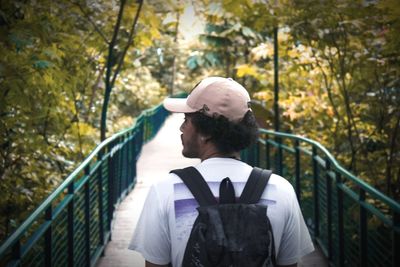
x=112 y=60
x=172 y=86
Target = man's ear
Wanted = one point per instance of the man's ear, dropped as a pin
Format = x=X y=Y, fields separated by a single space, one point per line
x=205 y=139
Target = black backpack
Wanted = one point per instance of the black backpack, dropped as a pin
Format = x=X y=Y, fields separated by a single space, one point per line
x=229 y=233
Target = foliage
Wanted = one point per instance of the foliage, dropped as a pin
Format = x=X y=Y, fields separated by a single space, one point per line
x=226 y=39
x=359 y=78
x=338 y=74
x=54 y=56
x=137 y=91
x=43 y=100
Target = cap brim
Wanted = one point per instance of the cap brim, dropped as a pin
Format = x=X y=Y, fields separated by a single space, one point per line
x=177 y=105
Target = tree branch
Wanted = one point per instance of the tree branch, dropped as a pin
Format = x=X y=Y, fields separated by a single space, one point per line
x=172 y=86
x=393 y=149
x=110 y=60
x=328 y=88
x=129 y=43
x=87 y=16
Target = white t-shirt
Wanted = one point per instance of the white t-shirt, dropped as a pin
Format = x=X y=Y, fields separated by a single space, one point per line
x=170 y=211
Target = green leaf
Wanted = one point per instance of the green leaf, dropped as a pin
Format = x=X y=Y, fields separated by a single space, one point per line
x=249 y=33
x=215 y=40
x=212 y=58
x=191 y=63
x=213 y=28
x=20 y=40
x=42 y=64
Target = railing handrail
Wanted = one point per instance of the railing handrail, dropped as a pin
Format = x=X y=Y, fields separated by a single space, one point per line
x=15 y=236
x=378 y=194
x=353 y=223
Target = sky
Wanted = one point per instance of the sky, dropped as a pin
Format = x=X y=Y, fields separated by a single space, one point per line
x=190 y=25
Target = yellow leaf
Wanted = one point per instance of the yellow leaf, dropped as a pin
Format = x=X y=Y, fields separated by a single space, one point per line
x=144 y=40
x=246 y=69
x=155 y=33
x=293 y=53
x=262 y=51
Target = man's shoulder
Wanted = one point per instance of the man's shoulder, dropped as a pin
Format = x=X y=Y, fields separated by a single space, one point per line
x=168 y=179
x=277 y=179
x=281 y=186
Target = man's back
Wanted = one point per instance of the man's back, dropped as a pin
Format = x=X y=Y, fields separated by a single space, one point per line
x=171 y=199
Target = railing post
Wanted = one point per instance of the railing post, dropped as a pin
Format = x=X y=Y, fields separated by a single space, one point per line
x=396 y=239
x=121 y=168
x=250 y=155
x=110 y=182
x=329 y=206
x=363 y=231
x=126 y=163
x=134 y=156
x=267 y=153
x=257 y=154
x=87 y=217
x=340 y=221
x=297 y=170
x=145 y=126
x=48 y=238
x=315 y=191
x=70 y=230
x=16 y=252
x=131 y=160
x=279 y=156
x=100 y=195
x=125 y=150
x=141 y=139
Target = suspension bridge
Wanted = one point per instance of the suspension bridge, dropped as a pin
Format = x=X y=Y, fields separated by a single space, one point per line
x=89 y=219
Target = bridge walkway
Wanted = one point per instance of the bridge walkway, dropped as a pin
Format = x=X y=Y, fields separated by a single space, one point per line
x=158 y=156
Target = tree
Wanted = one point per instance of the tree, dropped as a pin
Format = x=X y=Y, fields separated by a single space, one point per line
x=51 y=71
x=44 y=72
x=338 y=76
x=116 y=57
x=351 y=53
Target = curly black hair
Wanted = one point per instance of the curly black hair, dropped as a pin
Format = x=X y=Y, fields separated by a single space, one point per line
x=228 y=136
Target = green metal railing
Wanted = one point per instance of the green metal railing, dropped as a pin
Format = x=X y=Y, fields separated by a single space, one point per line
x=73 y=225
x=352 y=222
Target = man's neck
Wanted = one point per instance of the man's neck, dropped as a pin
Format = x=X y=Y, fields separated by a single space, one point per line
x=234 y=155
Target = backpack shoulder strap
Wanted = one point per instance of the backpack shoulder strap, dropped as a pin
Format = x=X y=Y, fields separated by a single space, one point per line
x=255 y=186
x=197 y=185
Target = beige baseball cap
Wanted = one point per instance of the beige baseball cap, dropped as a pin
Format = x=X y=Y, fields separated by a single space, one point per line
x=214 y=96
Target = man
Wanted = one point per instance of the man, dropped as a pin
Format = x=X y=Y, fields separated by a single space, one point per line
x=218 y=124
